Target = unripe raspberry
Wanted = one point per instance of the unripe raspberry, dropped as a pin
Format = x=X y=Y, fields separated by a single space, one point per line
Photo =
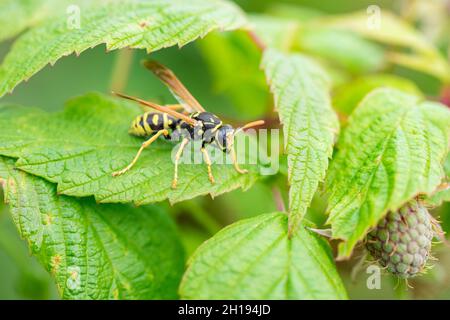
x=401 y=242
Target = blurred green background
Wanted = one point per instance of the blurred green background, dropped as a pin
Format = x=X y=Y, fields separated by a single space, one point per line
x=228 y=81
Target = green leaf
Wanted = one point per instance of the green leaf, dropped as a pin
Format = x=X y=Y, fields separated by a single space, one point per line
x=95 y=251
x=439 y=197
x=343 y=48
x=22 y=276
x=392 y=150
x=309 y=123
x=293 y=11
x=17 y=16
x=80 y=147
x=447 y=167
x=445 y=218
x=393 y=31
x=442 y=194
x=431 y=64
x=275 y=32
x=350 y=94
x=227 y=52
x=333 y=48
x=149 y=25
x=255 y=259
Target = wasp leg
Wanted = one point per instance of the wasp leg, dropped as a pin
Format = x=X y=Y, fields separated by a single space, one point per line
x=208 y=163
x=144 y=145
x=235 y=163
x=177 y=158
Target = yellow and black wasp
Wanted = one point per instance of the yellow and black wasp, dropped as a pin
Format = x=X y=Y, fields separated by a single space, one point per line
x=193 y=124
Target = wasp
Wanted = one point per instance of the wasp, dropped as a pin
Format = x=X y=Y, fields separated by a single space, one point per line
x=193 y=123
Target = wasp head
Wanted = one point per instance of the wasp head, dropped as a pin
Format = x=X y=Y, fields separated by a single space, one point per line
x=225 y=138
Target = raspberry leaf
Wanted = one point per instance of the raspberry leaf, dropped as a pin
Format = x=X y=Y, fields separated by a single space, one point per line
x=349 y=95
x=82 y=146
x=301 y=92
x=275 y=32
x=94 y=251
x=149 y=25
x=340 y=47
x=343 y=48
x=388 y=29
x=391 y=151
x=255 y=259
x=442 y=193
x=17 y=16
x=347 y=41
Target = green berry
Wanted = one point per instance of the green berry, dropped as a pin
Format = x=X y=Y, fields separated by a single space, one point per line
x=401 y=241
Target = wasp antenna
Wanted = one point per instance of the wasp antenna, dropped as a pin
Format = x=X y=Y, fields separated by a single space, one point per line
x=253 y=124
x=249 y=125
x=155 y=106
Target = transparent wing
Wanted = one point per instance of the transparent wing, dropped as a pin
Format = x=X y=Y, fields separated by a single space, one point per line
x=178 y=90
x=158 y=107
x=175 y=107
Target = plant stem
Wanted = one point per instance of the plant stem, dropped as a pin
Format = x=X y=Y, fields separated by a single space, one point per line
x=121 y=70
x=256 y=40
x=202 y=217
x=278 y=198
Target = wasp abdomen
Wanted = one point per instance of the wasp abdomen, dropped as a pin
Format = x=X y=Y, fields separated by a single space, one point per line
x=152 y=122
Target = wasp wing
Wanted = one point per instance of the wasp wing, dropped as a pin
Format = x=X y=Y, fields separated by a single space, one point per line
x=178 y=90
x=175 y=107
x=158 y=107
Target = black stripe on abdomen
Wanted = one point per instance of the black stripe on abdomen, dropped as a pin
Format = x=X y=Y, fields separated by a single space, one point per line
x=155 y=121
